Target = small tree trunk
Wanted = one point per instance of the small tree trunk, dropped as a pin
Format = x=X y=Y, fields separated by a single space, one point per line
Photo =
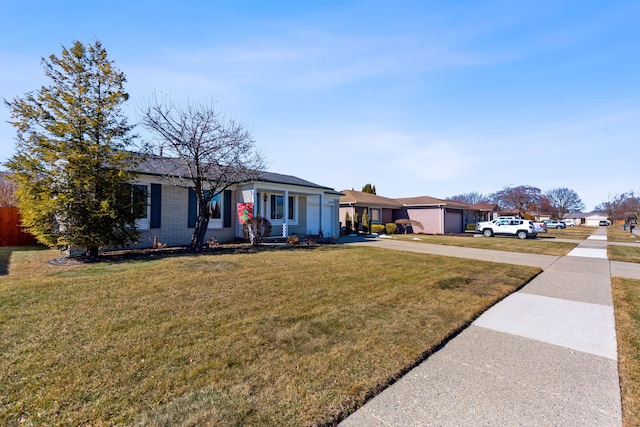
x=199 y=232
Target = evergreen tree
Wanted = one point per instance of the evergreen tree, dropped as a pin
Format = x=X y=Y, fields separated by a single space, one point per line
x=371 y=189
x=70 y=166
x=347 y=223
x=365 y=220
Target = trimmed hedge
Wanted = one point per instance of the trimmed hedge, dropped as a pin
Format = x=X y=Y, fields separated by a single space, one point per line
x=391 y=228
x=377 y=228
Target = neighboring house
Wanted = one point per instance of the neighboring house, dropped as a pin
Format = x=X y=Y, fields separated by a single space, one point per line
x=482 y=212
x=291 y=204
x=591 y=219
x=436 y=216
x=380 y=209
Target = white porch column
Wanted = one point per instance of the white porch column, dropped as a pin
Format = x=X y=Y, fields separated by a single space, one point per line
x=321 y=206
x=285 y=214
x=256 y=200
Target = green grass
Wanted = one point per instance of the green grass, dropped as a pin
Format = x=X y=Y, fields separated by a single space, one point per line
x=576 y=232
x=623 y=253
x=256 y=337
x=542 y=246
x=617 y=234
x=626 y=296
x=620 y=252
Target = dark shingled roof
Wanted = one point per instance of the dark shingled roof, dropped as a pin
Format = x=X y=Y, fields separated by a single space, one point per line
x=430 y=201
x=353 y=197
x=161 y=166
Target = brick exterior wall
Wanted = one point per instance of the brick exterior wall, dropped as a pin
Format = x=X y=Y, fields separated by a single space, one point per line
x=174 y=230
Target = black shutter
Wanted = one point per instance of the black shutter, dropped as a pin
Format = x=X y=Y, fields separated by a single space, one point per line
x=226 y=205
x=192 y=214
x=156 y=198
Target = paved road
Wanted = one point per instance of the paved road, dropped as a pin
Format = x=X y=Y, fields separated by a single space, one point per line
x=545 y=355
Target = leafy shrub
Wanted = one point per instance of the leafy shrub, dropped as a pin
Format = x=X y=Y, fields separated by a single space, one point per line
x=471 y=226
x=391 y=228
x=377 y=228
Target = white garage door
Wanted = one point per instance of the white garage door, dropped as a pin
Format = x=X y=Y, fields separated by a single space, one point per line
x=313 y=217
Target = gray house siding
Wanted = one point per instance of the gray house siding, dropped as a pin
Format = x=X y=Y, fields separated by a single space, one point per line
x=301 y=227
x=174 y=227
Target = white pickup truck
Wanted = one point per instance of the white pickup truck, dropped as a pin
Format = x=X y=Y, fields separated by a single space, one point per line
x=521 y=228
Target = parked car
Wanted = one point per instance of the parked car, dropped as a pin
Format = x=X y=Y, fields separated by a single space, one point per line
x=540 y=227
x=570 y=222
x=521 y=228
x=555 y=224
x=603 y=223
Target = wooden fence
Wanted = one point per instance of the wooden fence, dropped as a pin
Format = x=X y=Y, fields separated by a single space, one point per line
x=11 y=233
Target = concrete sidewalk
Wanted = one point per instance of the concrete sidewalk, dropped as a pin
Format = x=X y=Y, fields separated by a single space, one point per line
x=545 y=355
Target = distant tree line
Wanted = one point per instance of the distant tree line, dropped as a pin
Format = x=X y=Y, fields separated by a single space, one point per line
x=556 y=202
x=621 y=206
x=525 y=198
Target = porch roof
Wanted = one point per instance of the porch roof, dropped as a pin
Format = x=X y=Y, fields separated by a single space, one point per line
x=352 y=197
x=430 y=201
x=485 y=207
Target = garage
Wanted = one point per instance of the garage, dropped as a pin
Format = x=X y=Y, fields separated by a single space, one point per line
x=453 y=222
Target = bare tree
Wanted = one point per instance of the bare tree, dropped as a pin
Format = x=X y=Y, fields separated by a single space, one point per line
x=560 y=201
x=631 y=206
x=523 y=198
x=614 y=207
x=471 y=198
x=213 y=152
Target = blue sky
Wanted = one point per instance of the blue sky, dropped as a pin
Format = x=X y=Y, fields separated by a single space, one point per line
x=418 y=98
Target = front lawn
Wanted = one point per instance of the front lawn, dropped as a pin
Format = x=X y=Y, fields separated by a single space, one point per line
x=541 y=245
x=618 y=234
x=297 y=336
x=623 y=253
x=626 y=297
x=575 y=232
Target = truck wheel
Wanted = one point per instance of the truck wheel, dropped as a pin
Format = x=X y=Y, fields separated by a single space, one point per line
x=487 y=232
x=522 y=234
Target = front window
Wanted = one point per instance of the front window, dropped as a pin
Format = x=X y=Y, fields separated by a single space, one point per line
x=139 y=197
x=215 y=207
x=276 y=207
x=291 y=208
x=376 y=215
x=215 y=211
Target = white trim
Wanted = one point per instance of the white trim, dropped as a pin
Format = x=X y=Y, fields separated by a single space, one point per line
x=144 y=223
x=266 y=207
x=218 y=222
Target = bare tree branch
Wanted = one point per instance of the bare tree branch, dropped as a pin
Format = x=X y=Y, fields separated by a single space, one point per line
x=208 y=150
